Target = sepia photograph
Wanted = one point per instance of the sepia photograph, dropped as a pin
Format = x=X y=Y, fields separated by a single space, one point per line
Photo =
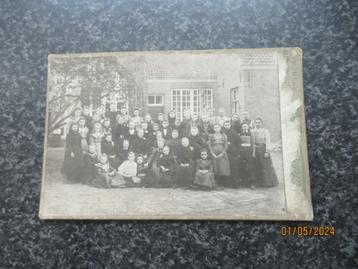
x=214 y=134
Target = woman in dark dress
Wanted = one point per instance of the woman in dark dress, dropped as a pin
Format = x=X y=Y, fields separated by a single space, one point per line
x=232 y=149
x=204 y=176
x=153 y=177
x=245 y=158
x=171 y=119
x=218 y=146
x=235 y=123
x=205 y=127
x=184 y=175
x=73 y=162
x=166 y=166
x=196 y=141
x=109 y=148
x=265 y=172
x=90 y=159
x=174 y=143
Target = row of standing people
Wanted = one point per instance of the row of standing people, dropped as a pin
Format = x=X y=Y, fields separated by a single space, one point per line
x=238 y=153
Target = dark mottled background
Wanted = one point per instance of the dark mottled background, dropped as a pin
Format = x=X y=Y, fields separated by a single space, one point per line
x=327 y=32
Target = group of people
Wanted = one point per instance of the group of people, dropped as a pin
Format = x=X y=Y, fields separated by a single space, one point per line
x=115 y=149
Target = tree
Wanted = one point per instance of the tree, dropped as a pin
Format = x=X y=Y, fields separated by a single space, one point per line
x=78 y=81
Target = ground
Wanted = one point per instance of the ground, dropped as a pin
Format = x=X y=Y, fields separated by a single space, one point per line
x=62 y=200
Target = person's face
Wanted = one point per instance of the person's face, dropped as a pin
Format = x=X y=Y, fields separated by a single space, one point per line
x=78 y=113
x=106 y=123
x=81 y=122
x=136 y=112
x=195 y=117
x=177 y=123
x=175 y=134
x=205 y=118
x=172 y=114
x=123 y=110
x=245 y=127
x=103 y=159
x=227 y=125
x=148 y=117
x=140 y=160
x=185 y=142
x=125 y=144
x=187 y=114
x=155 y=127
x=194 y=131
x=74 y=128
x=131 y=125
x=86 y=111
x=144 y=125
x=108 y=138
x=160 y=143
x=235 y=117
x=217 y=128
x=140 y=133
x=204 y=155
x=97 y=127
x=160 y=117
x=91 y=148
x=166 y=150
x=96 y=117
x=165 y=124
x=258 y=124
x=131 y=156
x=159 y=135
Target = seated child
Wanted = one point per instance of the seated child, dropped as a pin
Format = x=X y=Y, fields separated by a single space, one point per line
x=90 y=160
x=204 y=176
x=106 y=176
x=141 y=169
x=128 y=171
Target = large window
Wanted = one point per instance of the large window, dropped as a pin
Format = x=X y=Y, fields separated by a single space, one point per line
x=195 y=100
x=155 y=100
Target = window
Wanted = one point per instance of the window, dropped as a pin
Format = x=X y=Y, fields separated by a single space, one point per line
x=195 y=100
x=155 y=100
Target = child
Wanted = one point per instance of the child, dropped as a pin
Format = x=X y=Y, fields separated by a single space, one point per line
x=107 y=129
x=96 y=137
x=131 y=132
x=141 y=169
x=174 y=142
x=137 y=119
x=166 y=166
x=127 y=171
x=185 y=167
x=83 y=131
x=204 y=176
x=122 y=151
x=106 y=176
x=90 y=159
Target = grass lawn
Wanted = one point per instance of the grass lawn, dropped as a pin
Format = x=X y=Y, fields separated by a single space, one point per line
x=63 y=200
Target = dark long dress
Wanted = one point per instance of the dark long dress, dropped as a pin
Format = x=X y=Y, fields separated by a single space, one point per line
x=204 y=179
x=89 y=168
x=198 y=143
x=72 y=166
x=205 y=129
x=264 y=170
x=166 y=177
x=232 y=151
x=246 y=160
x=110 y=149
x=153 y=175
x=185 y=166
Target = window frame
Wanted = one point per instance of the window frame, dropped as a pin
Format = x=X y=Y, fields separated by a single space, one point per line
x=155 y=100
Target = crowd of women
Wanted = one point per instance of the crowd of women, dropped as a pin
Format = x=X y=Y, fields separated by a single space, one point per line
x=200 y=151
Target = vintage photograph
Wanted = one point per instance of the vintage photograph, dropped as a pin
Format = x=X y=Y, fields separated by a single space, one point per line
x=215 y=134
